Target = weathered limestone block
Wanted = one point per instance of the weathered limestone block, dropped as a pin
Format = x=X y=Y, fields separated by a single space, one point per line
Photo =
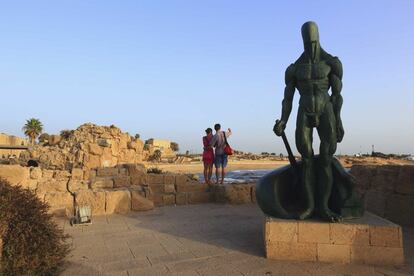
x=385 y=178
x=77 y=185
x=54 y=140
x=313 y=232
x=94 y=161
x=102 y=183
x=291 y=251
x=169 y=179
x=169 y=188
x=219 y=193
x=107 y=159
x=375 y=255
x=94 y=199
x=131 y=145
x=123 y=141
x=234 y=193
x=400 y=209
x=364 y=175
x=139 y=146
x=89 y=174
x=181 y=198
x=122 y=171
x=168 y=199
x=158 y=199
x=32 y=184
x=60 y=174
x=35 y=173
x=102 y=172
x=139 y=202
x=191 y=187
x=181 y=180
x=405 y=182
x=375 y=202
x=61 y=204
x=200 y=197
x=127 y=156
x=345 y=234
x=157 y=188
x=135 y=169
x=95 y=149
x=138 y=179
x=368 y=240
x=15 y=174
x=153 y=178
x=77 y=174
x=122 y=181
x=47 y=174
x=51 y=185
x=118 y=201
x=147 y=191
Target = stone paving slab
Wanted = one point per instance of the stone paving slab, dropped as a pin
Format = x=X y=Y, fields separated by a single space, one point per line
x=206 y=239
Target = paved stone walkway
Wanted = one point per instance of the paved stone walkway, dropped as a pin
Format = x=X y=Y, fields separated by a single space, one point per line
x=207 y=239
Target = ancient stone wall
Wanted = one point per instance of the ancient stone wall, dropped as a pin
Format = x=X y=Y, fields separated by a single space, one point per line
x=119 y=189
x=88 y=147
x=11 y=140
x=388 y=191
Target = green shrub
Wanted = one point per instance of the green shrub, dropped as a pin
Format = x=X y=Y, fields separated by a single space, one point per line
x=44 y=137
x=174 y=146
x=66 y=133
x=32 y=243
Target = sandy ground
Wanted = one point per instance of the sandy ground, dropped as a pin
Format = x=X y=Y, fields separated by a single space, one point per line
x=233 y=165
x=197 y=167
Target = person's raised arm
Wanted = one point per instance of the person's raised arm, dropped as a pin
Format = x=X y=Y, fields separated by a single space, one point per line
x=290 y=82
x=228 y=133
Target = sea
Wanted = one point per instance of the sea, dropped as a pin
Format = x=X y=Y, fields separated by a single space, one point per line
x=239 y=176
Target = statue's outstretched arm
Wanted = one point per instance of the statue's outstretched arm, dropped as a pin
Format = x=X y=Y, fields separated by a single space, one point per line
x=287 y=100
x=335 y=79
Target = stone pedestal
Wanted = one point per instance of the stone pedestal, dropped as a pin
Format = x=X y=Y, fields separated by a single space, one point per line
x=368 y=240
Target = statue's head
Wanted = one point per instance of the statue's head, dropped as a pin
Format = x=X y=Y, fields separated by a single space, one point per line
x=310 y=36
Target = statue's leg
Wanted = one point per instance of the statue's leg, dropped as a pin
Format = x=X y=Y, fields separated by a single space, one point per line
x=304 y=146
x=327 y=135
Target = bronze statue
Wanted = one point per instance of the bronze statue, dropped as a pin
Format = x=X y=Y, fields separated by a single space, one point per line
x=318 y=185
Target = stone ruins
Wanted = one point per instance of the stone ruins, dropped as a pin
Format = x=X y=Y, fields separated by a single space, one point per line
x=103 y=167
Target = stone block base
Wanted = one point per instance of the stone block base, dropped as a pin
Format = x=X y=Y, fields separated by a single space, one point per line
x=368 y=240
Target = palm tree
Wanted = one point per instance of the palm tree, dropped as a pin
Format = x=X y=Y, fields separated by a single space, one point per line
x=32 y=129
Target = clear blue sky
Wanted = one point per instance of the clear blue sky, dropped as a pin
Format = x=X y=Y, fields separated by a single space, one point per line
x=170 y=69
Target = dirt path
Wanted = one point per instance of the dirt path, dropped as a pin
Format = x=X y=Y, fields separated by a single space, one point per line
x=197 y=167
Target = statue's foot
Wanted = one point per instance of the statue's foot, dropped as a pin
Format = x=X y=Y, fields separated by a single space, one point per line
x=328 y=215
x=305 y=214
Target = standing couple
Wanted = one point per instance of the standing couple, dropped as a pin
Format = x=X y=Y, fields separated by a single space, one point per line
x=216 y=156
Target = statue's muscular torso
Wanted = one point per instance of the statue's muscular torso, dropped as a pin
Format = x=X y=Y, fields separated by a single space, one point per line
x=313 y=81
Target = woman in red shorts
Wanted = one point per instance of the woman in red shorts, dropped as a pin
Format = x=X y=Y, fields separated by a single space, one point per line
x=208 y=155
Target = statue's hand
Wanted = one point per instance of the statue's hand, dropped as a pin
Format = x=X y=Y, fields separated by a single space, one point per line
x=279 y=127
x=339 y=131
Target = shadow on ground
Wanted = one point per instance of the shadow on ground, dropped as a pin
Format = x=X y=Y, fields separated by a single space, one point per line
x=206 y=239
